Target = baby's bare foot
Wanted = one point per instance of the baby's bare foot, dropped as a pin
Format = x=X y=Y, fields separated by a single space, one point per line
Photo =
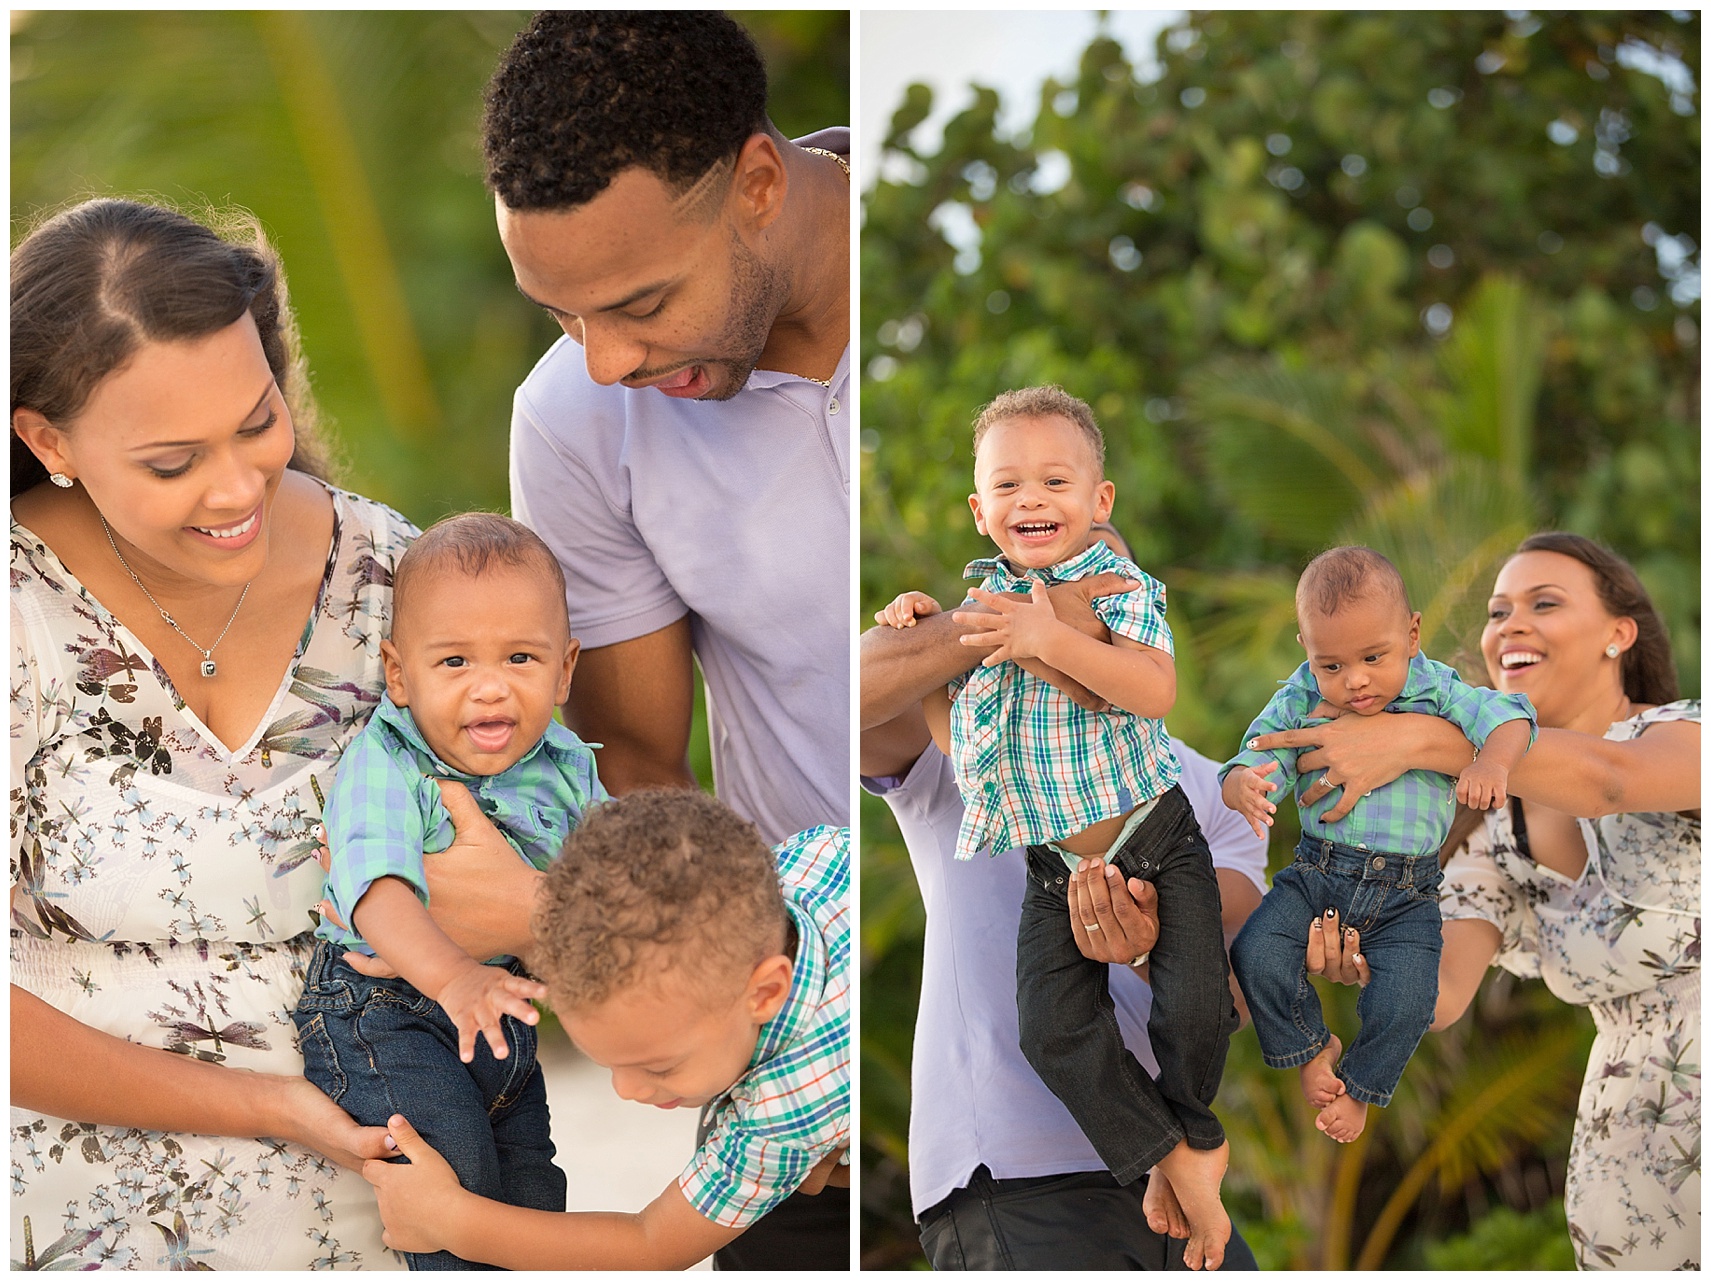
x=1163 y=1210
x=1195 y=1176
x=1319 y=1080
x=1343 y=1119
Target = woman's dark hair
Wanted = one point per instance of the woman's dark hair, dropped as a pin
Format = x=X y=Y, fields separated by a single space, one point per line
x=92 y=284
x=1648 y=670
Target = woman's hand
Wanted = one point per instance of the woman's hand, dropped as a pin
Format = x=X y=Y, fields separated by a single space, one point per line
x=309 y=1117
x=1113 y=923
x=1334 y=953
x=1361 y=753
x=415 y=1199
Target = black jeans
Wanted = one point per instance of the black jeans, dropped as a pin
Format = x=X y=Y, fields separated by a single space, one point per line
x=1069 y=1028
x=1056 y=1222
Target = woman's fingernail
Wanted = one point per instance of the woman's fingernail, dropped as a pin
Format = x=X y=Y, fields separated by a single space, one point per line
x=1253 y=744
x=391 y=1144
x=1330 y=913
x=1359 y=959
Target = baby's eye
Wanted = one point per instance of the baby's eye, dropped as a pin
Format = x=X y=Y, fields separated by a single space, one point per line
x=453 y=661
x=1373 y=658
x=1333 y=667
x=520 y=658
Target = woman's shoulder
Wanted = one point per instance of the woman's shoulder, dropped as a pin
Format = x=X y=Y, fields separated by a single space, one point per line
x=1682 y=709
x=369 y=516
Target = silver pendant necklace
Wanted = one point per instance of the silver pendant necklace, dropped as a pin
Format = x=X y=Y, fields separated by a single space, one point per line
x=209 y=667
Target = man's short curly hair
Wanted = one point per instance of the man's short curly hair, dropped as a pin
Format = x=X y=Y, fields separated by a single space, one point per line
x=581 y=96
x=660 y=883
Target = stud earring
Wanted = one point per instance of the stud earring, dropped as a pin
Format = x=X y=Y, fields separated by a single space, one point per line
x=1611 y=651
x=61 y=479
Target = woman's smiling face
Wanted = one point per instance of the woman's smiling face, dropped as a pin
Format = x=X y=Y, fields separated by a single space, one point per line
x=1546 y=634
x=182 y=450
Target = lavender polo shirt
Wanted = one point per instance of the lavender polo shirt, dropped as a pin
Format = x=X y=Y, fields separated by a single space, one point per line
x=736 y=513
x=975 y=1099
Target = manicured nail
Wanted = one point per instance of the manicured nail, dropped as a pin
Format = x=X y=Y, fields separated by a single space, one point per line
x=1253 y=744
x=1330 y=913
x=391 y=1144
x=1359 y=959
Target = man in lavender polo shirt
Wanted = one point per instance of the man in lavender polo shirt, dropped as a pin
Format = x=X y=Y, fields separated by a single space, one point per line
x=685 y=449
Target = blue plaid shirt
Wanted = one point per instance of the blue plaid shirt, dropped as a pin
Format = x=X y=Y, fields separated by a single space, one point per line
x=1410 y=816
x=1030 y=764
x=384 y=811
x=791 y=1108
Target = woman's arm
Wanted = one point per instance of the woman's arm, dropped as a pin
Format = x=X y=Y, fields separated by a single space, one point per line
x=68 y=1069
x=1591 y=777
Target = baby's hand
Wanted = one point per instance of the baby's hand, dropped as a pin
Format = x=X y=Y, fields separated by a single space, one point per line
x=903 y=611
x=475 y=999
x=1245 y=791
x=1484 y=785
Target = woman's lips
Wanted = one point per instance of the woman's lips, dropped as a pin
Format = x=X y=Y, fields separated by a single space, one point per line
x=231 y=536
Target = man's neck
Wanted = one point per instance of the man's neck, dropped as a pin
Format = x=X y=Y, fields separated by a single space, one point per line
x=810 y=333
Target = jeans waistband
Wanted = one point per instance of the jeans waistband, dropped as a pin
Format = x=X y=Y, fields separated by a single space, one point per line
x=1369 y=865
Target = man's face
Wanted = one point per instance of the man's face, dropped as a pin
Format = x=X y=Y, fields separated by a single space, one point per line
x=661 y=290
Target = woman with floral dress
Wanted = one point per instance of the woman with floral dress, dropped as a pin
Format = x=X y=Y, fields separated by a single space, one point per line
x=196 y=621
x=1589 y=881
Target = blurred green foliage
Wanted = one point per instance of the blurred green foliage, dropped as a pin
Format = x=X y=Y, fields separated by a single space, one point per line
x=355 y=138
x=1421 y=280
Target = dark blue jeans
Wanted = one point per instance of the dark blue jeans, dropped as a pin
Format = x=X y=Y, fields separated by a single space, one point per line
x=1069 y=1031
x=1393 y=901
x=378 y=1046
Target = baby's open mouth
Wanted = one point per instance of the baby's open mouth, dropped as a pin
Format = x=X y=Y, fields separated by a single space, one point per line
x=1036 y=529
x=490 y=736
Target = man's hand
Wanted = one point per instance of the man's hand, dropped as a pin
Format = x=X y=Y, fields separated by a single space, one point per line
x=903 y=611
x=1015 y=629
x=1245 y=791
x=475 y=999
x=1334 y=953
x=415 y=1199
x=1112 y=922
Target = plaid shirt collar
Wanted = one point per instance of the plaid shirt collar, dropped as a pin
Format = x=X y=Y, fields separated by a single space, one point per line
x=807 y=990
x=401 y=723
x=1097 y=558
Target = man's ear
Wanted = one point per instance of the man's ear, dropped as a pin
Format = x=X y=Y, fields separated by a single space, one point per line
x=769 y=985
x=760 y=183
x=395 y=674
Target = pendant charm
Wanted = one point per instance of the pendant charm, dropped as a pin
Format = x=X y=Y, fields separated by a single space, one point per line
x=208 y=667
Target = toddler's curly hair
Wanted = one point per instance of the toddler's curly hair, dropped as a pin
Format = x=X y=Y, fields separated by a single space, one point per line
x=657 y=883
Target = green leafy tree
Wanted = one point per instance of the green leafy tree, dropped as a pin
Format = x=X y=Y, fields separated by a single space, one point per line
x=1421 y=280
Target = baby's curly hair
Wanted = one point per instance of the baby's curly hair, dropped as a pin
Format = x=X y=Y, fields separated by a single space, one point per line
x=664 y=881
x=1342 y=575
x=1041 y=402
x=581 y=96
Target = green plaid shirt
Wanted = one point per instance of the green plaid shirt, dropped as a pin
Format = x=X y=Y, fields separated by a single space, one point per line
x=1030 y=764
x=384 y=811
x=792 y=1107
x=1412 y=815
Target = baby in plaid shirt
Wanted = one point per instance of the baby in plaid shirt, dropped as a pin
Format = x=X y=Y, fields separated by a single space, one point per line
x=1037 y=769
x=702 y=970
x=480 y=655
x=1378 y=866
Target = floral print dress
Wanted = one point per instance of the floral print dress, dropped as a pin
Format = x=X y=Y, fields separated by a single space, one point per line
x=1622 y=939
x=162 y=891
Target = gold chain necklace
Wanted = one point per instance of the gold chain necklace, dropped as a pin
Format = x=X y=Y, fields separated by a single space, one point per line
x=209 y=667
x=844 y=164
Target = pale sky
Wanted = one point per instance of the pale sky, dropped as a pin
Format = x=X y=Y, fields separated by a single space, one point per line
x=1012 y=51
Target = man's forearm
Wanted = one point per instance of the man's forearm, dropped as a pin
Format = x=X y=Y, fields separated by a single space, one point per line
x=901 y=666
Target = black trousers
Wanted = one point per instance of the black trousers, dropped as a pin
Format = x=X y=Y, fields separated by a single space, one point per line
x=801 y=1233
x=1059 y=1222
x=1069 y=1032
